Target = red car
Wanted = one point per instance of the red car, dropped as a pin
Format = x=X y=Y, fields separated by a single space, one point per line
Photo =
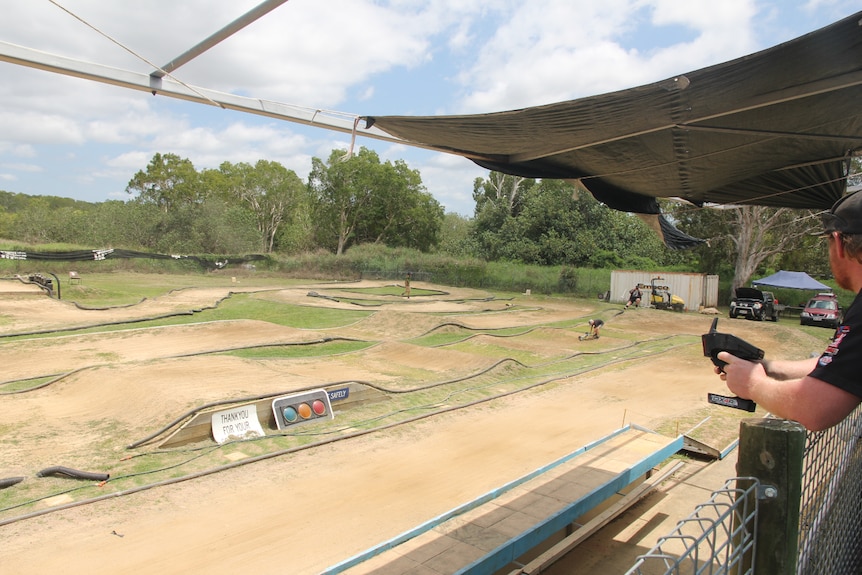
x=822 y=310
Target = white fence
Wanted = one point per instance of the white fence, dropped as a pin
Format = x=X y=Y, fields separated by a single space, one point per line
x=695 y=289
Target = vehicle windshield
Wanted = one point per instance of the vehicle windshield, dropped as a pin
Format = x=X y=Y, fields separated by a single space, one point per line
x=822 y=304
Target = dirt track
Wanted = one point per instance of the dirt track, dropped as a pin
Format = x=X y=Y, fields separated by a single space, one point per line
x=303 y=512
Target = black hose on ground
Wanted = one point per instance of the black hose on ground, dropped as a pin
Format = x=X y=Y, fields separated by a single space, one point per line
x=10 y=481
x=73 y=473
x=282 y=452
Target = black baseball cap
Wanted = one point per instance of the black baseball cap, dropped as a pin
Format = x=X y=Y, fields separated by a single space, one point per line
x=845 y=216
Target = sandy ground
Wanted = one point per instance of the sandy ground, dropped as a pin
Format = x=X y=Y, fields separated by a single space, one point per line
x=303 y=512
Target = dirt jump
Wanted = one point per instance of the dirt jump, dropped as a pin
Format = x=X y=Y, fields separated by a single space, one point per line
x=456 y=392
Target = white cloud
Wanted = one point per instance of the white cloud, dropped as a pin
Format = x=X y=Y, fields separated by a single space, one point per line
x=563 y=49
x=359 y=56
x=38 y=128
x=450 y=179
x=132 y=161
x=17 y=150
x=32 y=168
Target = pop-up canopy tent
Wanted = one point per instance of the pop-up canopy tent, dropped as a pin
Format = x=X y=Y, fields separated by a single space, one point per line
x=793 y=280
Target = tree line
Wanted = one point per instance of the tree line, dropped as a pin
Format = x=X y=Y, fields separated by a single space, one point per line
x=266 y=208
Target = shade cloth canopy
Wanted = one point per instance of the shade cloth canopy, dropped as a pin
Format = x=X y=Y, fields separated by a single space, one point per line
x=794 y=280
x=775 y=128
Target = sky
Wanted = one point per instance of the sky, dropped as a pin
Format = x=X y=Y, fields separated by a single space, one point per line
x=80 y=139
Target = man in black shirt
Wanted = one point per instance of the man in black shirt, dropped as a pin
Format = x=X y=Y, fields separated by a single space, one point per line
x=818 y=392
x=595 y=326
x=634 y=296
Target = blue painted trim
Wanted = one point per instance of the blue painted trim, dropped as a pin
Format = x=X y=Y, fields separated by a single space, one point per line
x=481 y=500
x=541 y=531
x=733 y=445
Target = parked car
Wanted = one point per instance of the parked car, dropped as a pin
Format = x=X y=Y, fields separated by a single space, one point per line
x=752 y=303
x=822 y=310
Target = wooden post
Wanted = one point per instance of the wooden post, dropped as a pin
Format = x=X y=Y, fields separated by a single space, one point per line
x=772 y=450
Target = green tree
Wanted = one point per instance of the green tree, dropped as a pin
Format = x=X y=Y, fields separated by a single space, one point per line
x=456 y=236
x=555 y=223
x=854 y=177
x=130 y=225
x=811 y=256
x=502 y=191
x=168 y=182
x=41 y=219
x=223 y=227
x=363 y=200
x=35 y=222
x=341 y=189
x=743 y=240
x=71 y=225
x=7 y=222
x=498 y=201
x=760 y=233
x=400 y=213
x=297 y=235
x=268 y=190
x=716 y=256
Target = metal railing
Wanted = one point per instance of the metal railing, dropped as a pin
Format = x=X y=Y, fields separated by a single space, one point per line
x=714 y=539
x=720 y=536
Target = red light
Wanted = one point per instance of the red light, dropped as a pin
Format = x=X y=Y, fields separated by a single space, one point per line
x=318 y=407
x=304 y=407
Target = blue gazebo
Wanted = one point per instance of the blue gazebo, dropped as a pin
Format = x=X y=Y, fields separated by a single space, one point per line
x=793 y=280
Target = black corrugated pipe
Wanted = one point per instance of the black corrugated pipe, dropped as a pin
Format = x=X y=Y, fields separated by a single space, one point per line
x=73 y=473
x=58 y=284
x=10 y=481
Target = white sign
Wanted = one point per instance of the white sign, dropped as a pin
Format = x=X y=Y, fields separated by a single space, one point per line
x=236 y=423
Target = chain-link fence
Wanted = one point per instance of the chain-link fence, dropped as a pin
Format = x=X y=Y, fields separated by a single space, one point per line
x=830 y=520
x=720 y=536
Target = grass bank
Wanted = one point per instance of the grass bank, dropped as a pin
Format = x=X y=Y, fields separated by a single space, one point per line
x=366 y=261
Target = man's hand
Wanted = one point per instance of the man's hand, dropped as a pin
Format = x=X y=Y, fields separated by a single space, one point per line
x=812 y=402
x=740 y=375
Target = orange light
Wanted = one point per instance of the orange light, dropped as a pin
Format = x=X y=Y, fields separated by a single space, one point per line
x=301 y=408
x=304 y=410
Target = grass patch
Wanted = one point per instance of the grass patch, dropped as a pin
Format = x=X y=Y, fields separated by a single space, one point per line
x=391 y=290
x=238 y=307
x=113 y=289
x=486 y=349
x=715 y=427
x=247 y=306
x=23 y=385
x=150 y=464
x=300 y=351
x=442 y=338
x=361 y=302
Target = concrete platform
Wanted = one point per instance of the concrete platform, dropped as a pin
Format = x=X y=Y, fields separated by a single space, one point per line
x=513 y=522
